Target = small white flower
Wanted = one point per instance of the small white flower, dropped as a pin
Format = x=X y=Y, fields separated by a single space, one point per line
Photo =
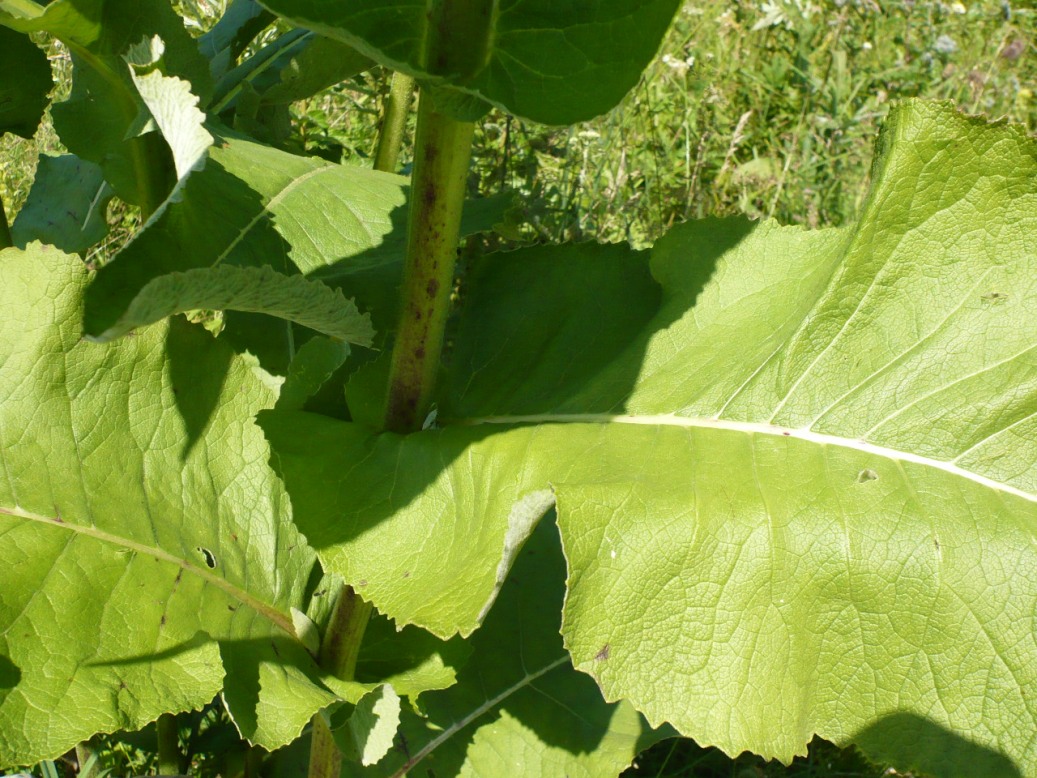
x=945 y=44
x=958 y=8
x=867 y=46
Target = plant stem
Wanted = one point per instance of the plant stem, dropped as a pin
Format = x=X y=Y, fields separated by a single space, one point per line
x=394 y=122
x=168 y=745
x=6 y=241
x=341 y=644
x=84 y=752
x=442 y=149
x=325 y=756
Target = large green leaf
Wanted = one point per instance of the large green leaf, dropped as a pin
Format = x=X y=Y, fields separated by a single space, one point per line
x=134 y=562
x=800 y=499
x=551 y=62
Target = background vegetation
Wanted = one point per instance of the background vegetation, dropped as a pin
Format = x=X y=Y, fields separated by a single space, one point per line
x=766 y=108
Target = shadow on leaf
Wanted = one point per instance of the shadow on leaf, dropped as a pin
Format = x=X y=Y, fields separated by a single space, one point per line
x=912 y=742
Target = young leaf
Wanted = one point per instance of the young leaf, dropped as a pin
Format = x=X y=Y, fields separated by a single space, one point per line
x=258 y=289
x=134 y=563
x=368 y=734
x=799 y=500
x=25 y=88
x=557 y=63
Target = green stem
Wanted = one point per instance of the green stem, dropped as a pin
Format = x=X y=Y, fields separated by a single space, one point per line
x=168 y=744
x=340 y=647
x=325 y=756
x=394 y=122
x=442 y=148
x=6 y=241
x=339 y=650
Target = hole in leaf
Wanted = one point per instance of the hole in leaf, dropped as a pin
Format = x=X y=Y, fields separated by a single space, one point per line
x=210 y=559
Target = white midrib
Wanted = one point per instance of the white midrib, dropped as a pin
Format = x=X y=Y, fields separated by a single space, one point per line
x=290 y=187
x=475 y=713
x=752 y=428
x=275 y=616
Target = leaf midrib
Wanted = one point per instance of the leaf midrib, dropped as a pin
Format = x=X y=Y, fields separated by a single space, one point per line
x=281 y=620
x=476 y=712
x=752 y=428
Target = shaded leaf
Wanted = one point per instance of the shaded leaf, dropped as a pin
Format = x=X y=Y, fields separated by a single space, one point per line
x=313 y=364
x=519 y=708
x=557 y=63
x=258 y=289
x=66 y=206
x=25 y=88
x=234 y=30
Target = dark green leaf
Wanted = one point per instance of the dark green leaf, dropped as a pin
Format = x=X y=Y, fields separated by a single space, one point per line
x=25 y=85
x=552 y=62
x=66 y=207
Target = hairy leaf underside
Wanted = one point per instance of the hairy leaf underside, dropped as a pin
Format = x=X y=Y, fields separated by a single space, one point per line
x=794 y=470
x=149 y=555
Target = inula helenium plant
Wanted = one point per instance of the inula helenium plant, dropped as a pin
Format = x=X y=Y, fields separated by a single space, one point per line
x=751 y=485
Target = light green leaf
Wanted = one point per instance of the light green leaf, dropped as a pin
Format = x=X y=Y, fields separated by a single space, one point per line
x=25 y=88
x=368 y=734
x=78 y=21
x=133 y=560
x=557 y=63
x=800 y=499
x=252 y=207
x=258 y=289
x=172 y=107
x=519 y=708
x=67 y=205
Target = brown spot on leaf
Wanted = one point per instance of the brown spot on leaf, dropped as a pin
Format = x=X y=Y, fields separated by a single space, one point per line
x=603 y=654
x=867 y=474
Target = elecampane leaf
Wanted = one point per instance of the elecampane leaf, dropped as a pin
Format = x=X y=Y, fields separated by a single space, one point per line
x=251 y=211
x=518 y=707
x=135 y=560
x=26 y=84
x=66 y=206
x=797 y=499
x=551 y=62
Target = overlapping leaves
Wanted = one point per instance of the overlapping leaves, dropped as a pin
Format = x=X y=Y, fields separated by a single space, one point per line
x=796 y=495
x=557 y=63
x=149 y=556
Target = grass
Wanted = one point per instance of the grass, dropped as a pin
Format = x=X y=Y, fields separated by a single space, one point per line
x=764 y=108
